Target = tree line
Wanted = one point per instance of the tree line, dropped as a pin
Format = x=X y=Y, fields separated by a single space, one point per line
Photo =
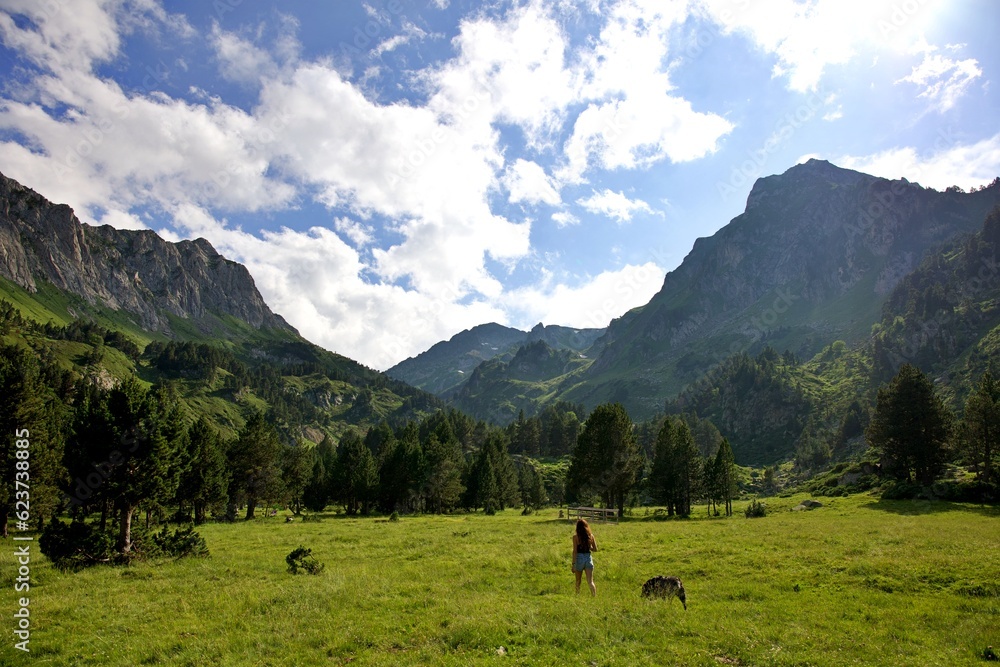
x=111 y=454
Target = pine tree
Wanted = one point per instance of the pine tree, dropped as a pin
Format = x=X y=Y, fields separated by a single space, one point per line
x=206 y=478
x=31 y=419
x=493 y=478
x=662 y=476
x=441 y=484
x=296 y=472
x=688 y=469
x=356 y=474
x=316 y=493
x=607 y=460
x=254 y=458
x=146 y=469
x=981 y=427
x=531 y=487
x=910 y=428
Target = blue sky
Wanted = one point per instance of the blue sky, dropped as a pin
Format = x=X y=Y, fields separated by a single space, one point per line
x=393 y=172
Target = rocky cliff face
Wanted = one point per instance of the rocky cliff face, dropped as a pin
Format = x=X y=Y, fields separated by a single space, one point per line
x=134 y=271
x=810 y=261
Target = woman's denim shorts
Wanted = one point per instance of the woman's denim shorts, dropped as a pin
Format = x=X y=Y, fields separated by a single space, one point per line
x=584 y=562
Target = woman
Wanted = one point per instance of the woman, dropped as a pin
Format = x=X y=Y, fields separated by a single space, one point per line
x=583 y=545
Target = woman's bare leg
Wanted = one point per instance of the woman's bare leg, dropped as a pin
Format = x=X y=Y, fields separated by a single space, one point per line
x=579 y=576
x=590 y=582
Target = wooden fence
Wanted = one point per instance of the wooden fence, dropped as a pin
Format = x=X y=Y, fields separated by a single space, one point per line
x=592 y=514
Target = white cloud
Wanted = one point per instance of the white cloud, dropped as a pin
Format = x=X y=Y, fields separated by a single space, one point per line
x=240 y=59
x=314 y=280
x=527 y=182
x=633 y=119
x=605 y=296
x=809 y=36
x=965 y=165
x=942 y=80
x=511 y=70
x=614 y=205
x=411 y=32
x=359 y=233
x=565 y=219
x=246 y=60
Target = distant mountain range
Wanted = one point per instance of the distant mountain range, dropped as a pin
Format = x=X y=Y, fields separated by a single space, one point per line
x=449 y=364
x=811 y=260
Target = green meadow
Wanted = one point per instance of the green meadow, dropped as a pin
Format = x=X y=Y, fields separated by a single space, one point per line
x=857 y=581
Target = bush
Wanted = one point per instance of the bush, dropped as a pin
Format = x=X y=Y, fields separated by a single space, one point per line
x=901 y=491
x=302 y=560
x=394 y=516
x=76 y=545
x=182 y=542
x=755 y=509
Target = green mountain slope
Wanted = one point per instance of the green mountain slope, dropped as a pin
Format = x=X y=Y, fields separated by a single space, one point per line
x=499 y=390
x=943 y=317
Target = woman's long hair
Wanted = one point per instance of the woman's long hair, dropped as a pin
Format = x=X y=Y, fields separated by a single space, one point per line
x=583 y=534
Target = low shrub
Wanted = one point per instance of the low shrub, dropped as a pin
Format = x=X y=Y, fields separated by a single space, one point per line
x=302 y=560
x=182 y=542
x=76 y=545
x=755 y=509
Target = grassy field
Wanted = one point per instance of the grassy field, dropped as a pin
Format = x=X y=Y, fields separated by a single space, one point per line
x=855 y=582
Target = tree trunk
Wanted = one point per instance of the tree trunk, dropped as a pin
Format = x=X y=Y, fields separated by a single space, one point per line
x=251 y=506
x=125 y=529
x=199 y=513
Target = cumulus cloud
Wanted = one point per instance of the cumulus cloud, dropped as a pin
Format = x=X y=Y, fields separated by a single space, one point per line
x=941 y=80
x=632 y=118
x=526 y=181
x=565 y=219
x=965 y=165
x=807 y=37
x=603 y=297
x=614 y=205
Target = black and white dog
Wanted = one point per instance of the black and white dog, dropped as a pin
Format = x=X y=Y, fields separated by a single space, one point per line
x=664 y=587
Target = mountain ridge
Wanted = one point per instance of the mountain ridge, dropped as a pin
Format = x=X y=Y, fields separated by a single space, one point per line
x=131 y=270
x=105 y=304
x=811 y=260
x=448 y=364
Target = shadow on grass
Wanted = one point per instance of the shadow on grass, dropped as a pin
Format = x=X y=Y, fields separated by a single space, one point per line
x=921 y=507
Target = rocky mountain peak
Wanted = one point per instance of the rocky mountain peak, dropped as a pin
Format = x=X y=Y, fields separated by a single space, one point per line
x=133 y=271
